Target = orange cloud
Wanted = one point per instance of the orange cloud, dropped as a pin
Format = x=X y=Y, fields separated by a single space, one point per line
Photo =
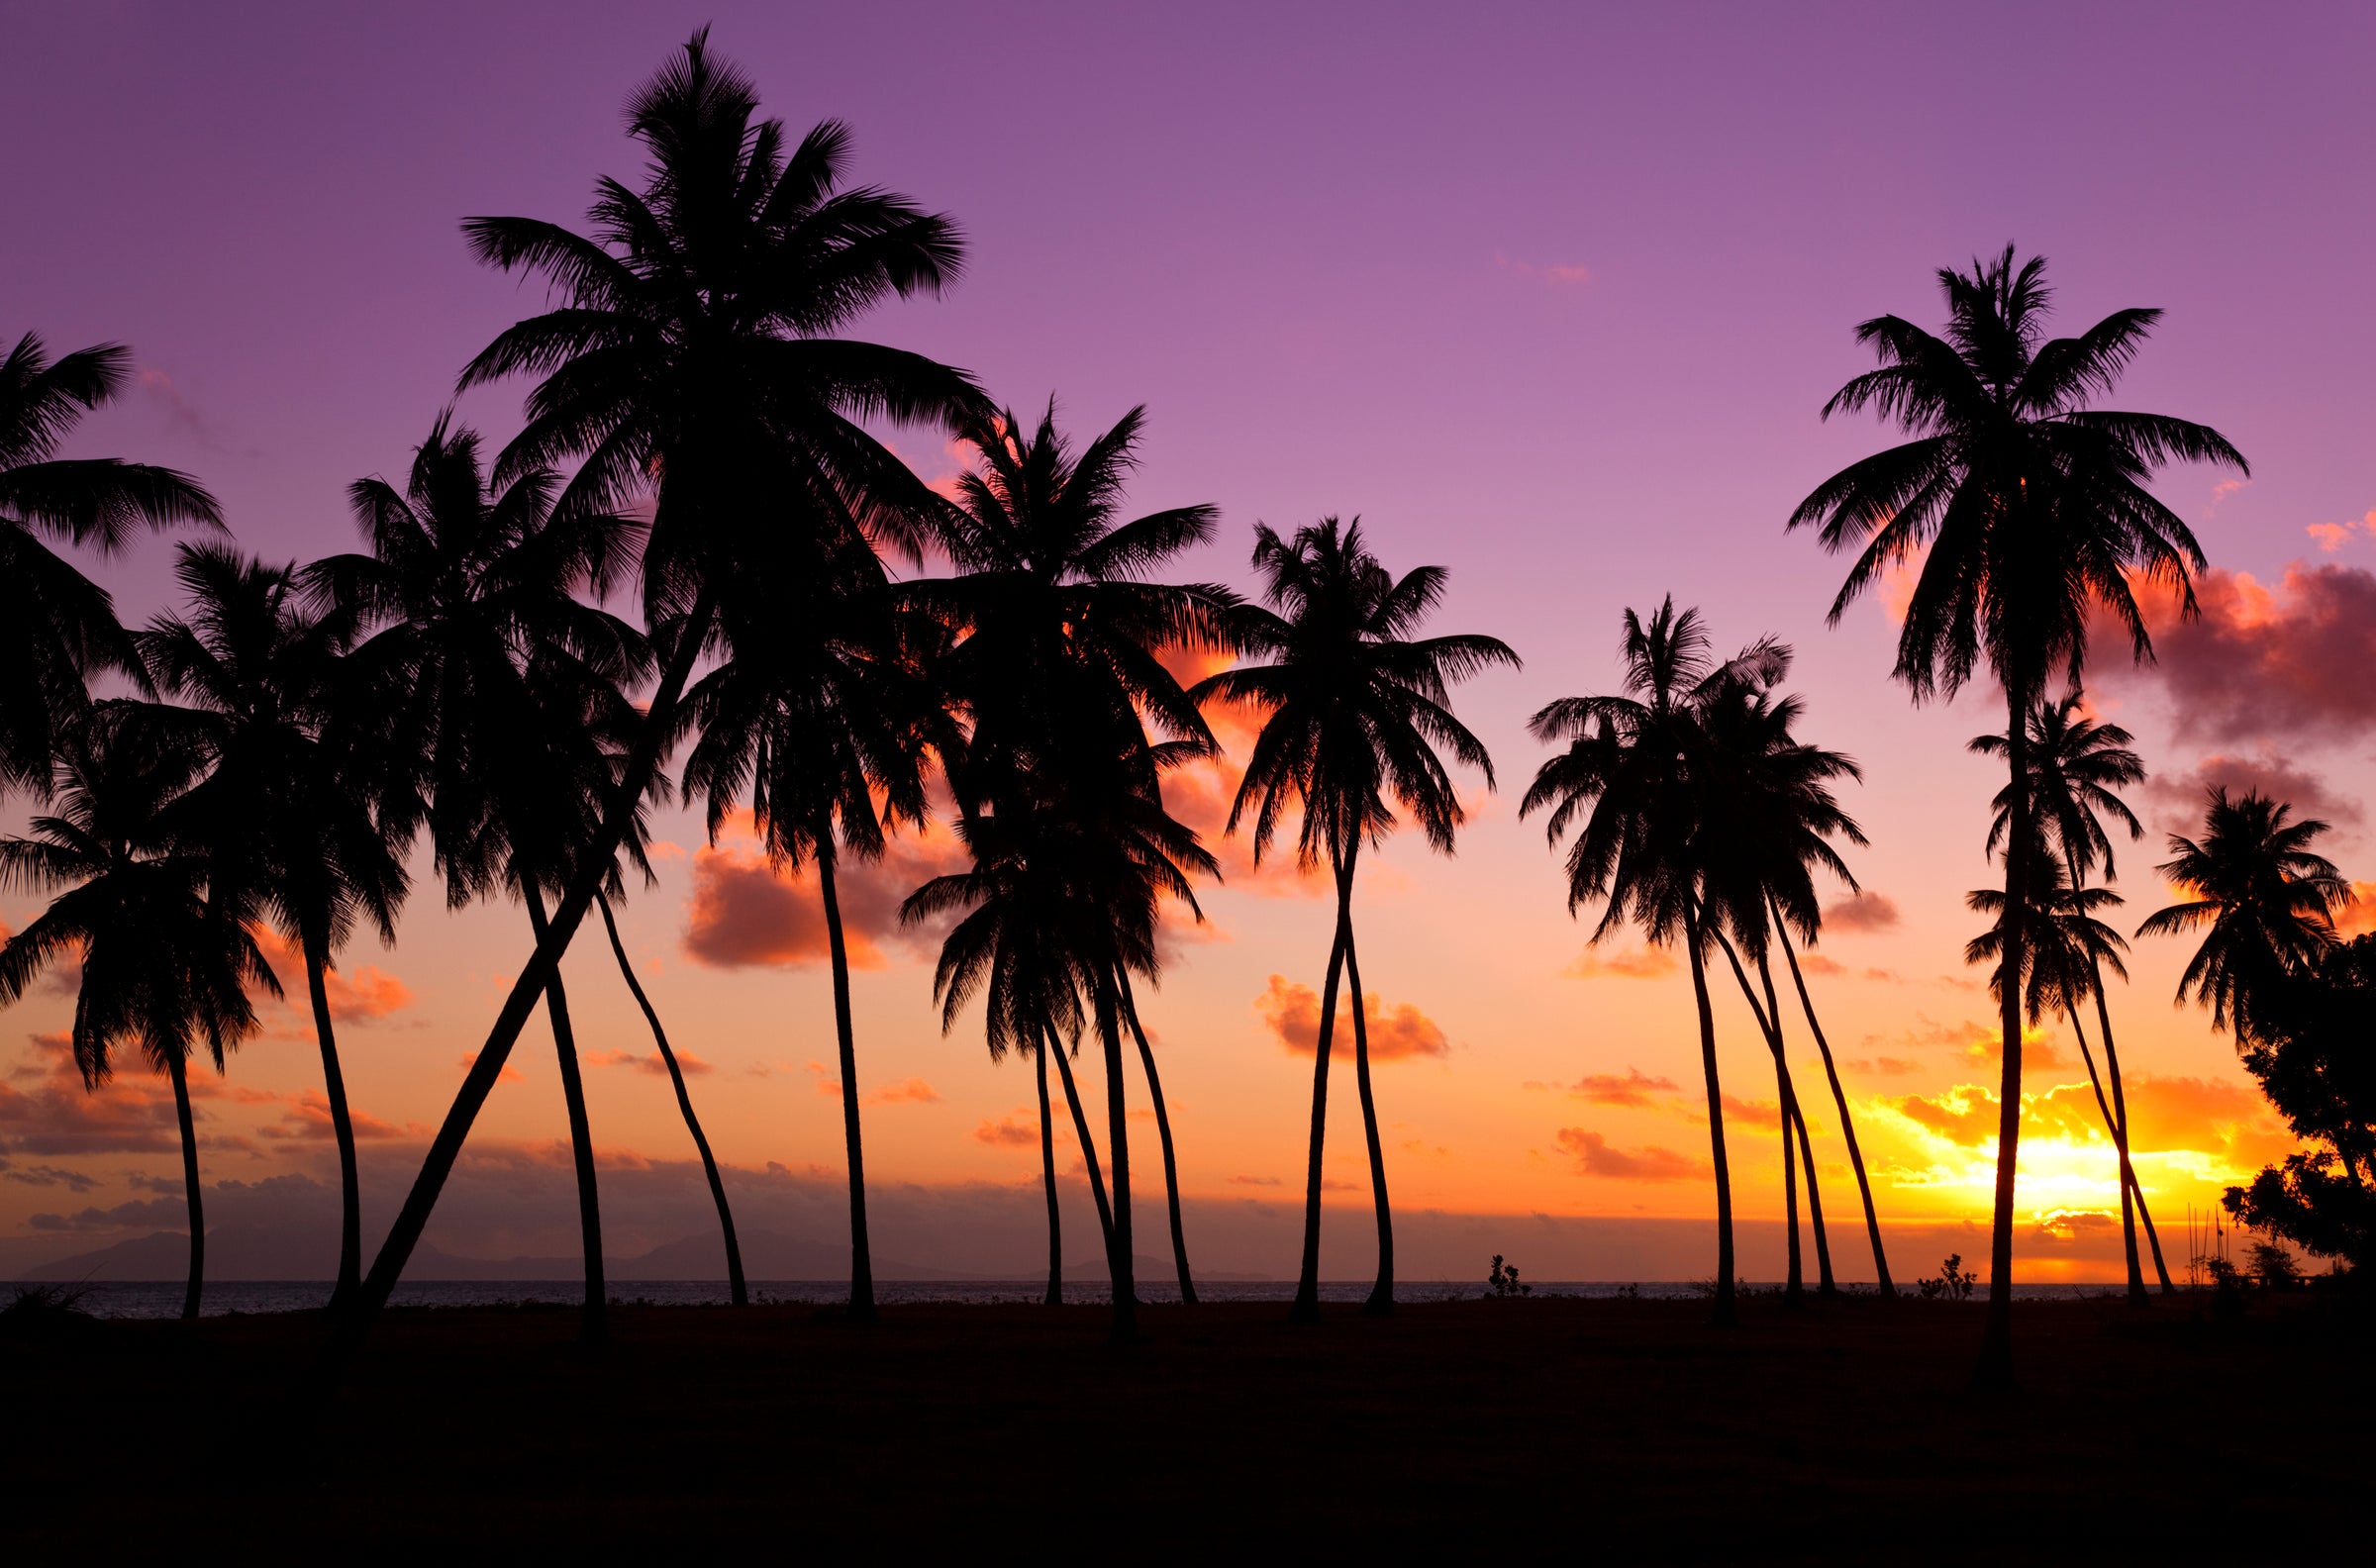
x=1756 y=1113
x=366 y=996
x=2358 y=916
x=748 y=911
x=1292 y=1013
x=309 y=1121
x=132 y=1114
x=1595 y=1158
x=1863 y=911
x=649 y=1063
x=2333 y=535
x=1635 y=1088
x=1634 y=963
x=1885 y=1066
x=908 y=1091
x=509 y=1075
x=1017 y=1129
x=2261 y=663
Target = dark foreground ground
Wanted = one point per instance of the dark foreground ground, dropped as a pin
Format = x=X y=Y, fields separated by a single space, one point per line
x=1593 y=1428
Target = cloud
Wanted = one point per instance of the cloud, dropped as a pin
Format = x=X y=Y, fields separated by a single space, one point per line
x=2357 y=917
x=1019 y=1129
x=908 y=1091
x=1634 y=963
x=748 y=911
x=49 y=1176
x=1292 y=1013
x=2262 y=664
x=309 y=1119
x=144 y=1212
x=131 y=1114
x=1255 y=1181
x=1863 y=911
x=1635 y=1088
x=2175 y=802
x=2073 y=1225
x=647 y=1062
x=1595 y=1158
x=1818 y=965
x=2331 y=537
x=366 y=996
x=1881 y=1066
x=508 y=1074
x=1564 y=274
x=185 y=415
x=1756 y=1113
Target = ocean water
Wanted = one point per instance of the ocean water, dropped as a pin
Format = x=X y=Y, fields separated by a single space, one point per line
x=163 y=1298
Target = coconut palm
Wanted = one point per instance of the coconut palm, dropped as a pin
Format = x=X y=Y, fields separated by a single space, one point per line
x=1353 y=710
x=57 y=628
x=2028 y=511
x=2077 y=768
x=2265 y=897
x=1059 y=668
x=1633 y=771
x=692 y=361
x=164 y=966
x=284 y=809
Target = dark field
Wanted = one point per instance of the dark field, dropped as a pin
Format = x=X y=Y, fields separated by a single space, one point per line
x=1462 y=1428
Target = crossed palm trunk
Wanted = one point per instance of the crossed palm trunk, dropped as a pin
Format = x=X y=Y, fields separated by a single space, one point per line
x=593 y=1316
x=1826 y=1284
x=342 y=1125
x=1121 y=1265
x=1047 y=1177
x=1793 y=1124
x=2133 y=1195
x=177 y=1067
x=1726 y=1312
x=1171 y=1167
x=1080 y=1131
x=741 y=1294
x=1840 y=1098
x=1306 y=1308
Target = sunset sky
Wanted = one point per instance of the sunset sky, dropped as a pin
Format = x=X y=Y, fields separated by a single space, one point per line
x=1549 y=298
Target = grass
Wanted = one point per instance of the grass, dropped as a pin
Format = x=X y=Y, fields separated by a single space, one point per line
x=1845 y=1429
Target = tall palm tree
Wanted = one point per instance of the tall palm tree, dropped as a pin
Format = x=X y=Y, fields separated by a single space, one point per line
x=692 y=360
x=2028 y=511
x=823 y=717
x=57 y=628
x=2266 y=897
x=164 y=966
x=2077 y=767
x=501 y=687
x=1809 y=921
x=1634 y=770
x=1060 y=666
x=1353 y=710
x=284 y=809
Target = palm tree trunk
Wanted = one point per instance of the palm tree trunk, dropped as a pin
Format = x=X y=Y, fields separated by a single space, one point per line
x=1080 y=1130
x=1171 y=1169
x=1047 y=1177
x=342 y=1127
x=178 y=1065
x=1824 y=1284
x=861 y=1257
x=593 y=1324
x=1794 y=1289
x=1381 y=1294
x=1120 y=1268
x=659 y=722
x=1727 y=1312
x=1995 y=1346
x=684 y=1103
x=1847 y=1122
x=1307 y=1282
x=2130 y=1199
x=2119 y=1107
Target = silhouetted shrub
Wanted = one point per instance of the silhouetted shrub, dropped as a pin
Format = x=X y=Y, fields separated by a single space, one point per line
x=1503 y=1282
x=1952 y=1282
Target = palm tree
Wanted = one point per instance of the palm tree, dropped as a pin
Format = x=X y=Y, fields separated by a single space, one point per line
x=823 y=717
x=2077 y=767
x=692 y=360
x=1635 y=768
x=283 y=815
x=164 y=966
x=57 y=628
x=1353 y=709
x=1809 y=920
x=1059 y=669
x=2266 y=898
x=501 y=687
x=2028 y=511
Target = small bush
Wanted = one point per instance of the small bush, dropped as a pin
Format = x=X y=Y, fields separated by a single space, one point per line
x=1952 y=1282
x=2274 y=1267
x=42 y=1311
x=1503 y=1282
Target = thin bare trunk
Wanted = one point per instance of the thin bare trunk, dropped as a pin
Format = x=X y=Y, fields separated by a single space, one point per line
x=1122 y=1268
x=593 y=1319
x=1794 y=1289
x=1847 y=1122
x=1824 y=1284
x=1080 y=1130
x=1047 y=1177
x=1995 y=1369
x=487 y=1066
x=342 y=1127
x=177 y=1067
x=861 y=1255
x=1381 y=1293
x=684 y=1103
x=1307 y=1282
x=1726 y=1314
x=2120 y=1109
x=1171 y=1167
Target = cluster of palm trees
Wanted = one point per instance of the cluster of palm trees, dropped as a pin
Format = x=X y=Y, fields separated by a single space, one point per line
x=696 y=446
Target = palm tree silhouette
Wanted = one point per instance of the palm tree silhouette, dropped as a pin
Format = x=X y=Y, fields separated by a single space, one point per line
x=692 y=360
x=284 y=809
x=501 y=687
x=823 y=717
x=1635 y=769
x=1353 y=709
x=1059 y=669
x=2028 y=511
x=2077 y=766
x=164 y=966
x=2266 y=898
x=57 y=628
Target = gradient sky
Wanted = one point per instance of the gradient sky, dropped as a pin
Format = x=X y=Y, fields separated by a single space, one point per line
x=1548 y=296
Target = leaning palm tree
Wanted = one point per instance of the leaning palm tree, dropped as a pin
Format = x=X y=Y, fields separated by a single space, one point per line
x=692 y=361
x=57 y=628
x=283 y=812
x=2029 y=511
x=2077 y=767
x=1353 y=710
x=2266 y=898
x=164 y=966
x=1060 y=666
x=1634 y=772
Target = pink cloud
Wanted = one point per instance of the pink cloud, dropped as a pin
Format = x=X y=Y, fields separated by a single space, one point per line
x=1593 y=1156
x=1292 y=1014
x=1634 y=1088
x=2263 y=664
x=1634 y=963
x=1863 y=911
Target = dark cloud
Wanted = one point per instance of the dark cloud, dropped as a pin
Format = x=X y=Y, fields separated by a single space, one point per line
x=2262 y=664
x=2174 y=802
